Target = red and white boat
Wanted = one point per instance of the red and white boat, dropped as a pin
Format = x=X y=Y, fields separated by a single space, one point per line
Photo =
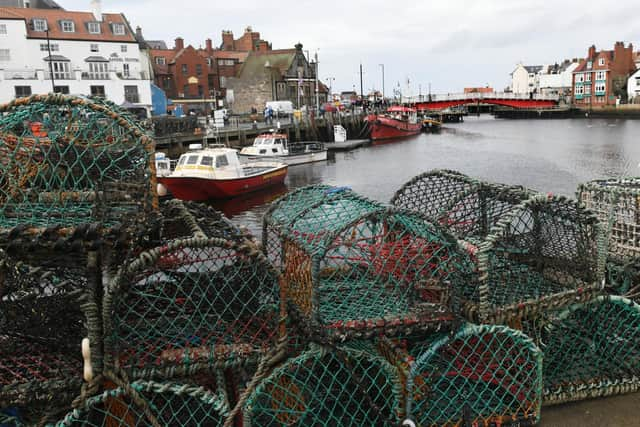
x=397 y=122
x=216 y=173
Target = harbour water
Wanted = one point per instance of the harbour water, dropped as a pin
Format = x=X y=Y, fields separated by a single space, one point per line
x=546 y=155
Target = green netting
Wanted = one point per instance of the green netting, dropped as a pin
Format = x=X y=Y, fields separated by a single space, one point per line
x=167 y=404
x=616 y=202
x=531 y=251
x=68 y=161
x=624 y=279
x=592 y=349
x=482 y=375
x=348 y=386
x=382 y=271
x=190 y=306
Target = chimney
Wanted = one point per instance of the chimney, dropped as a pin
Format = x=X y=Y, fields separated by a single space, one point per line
x=592 y=51
x=209 y=45
x=227 y=40
x=179 y=44
x=139 y=36
x=96 y=8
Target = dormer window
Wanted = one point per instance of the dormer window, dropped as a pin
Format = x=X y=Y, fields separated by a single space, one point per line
x=39 y=25
x=67 y=26
x=160 y=60
x=601 y=61
x=118 y=29
x=93 y=27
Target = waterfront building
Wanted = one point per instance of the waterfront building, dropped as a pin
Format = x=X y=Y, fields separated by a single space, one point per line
x=526 y=78
x=633 y=88
x=280 y=75
x=557 y=79
x=601 y=77
x=82 y=53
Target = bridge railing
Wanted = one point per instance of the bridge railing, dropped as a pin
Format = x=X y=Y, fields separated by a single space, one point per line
x=478 y=97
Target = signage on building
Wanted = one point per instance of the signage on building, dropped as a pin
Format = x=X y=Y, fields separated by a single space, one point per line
x=192 y=80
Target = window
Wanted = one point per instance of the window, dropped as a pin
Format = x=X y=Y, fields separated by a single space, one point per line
x=22 y=91
x=601 y=87
x=97 y=91
x=185 y=70
x=601 y=75
x=3 y=28
x=123 y=48
x=99 y=70
x=93 y=48
x=45 y=48
x=93 y=27
x=61 y=70
x=67 y=26
x=223 y=82
x=222 y=161
x=587 y=77
x=579 y=78
x=229 y=62
x=160 y=60
x=601 y=61
x=125 y=70
x=118 y=29
x=192 y=160
x=199 y=69
x=200 y=90
x=589 y=65
x=579 y=90
x=587 y=90
x=206 y=161
x=61 y=89
x=182 y=159
x=5 y=55
x=39 y=25
x=131 y=94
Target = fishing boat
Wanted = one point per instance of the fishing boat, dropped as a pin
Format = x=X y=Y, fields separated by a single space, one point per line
x=397 y=122
x=216 y=172
x=276 y=146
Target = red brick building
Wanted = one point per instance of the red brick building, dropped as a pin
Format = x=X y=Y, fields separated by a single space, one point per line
x=601 y=77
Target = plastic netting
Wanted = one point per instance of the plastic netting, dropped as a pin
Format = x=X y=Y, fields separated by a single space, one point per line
x=378 y=271
x=41 y=327
x=153 y=404
x=481 y=375
x=67 y=161
x=531 y=251
x=616 y=202
x=624 y=279
x=592 y=349
x=191 y=305
x=324 y=386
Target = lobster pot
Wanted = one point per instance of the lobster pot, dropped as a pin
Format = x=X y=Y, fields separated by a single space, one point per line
x=190 y=306
x=42 y=323
x=383 y=272
x=148 y=403
x=310 y=213
x=481 y=375
x=624 y=279
x=592 y=349
x=531 y=251
x=327 y=386
x=68 y=161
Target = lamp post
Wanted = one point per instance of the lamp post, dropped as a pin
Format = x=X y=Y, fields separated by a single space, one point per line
x=267 y=67
x=53 y=82
x=382 y=66
x=317 y=86
x=330 y=81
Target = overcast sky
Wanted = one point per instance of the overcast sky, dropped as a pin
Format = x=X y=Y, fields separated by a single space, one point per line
x=448 y=44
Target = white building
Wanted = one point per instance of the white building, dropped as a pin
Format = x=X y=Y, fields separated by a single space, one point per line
x=557 y=79
x=633 y=88
x=79 y=53
x=525 y=78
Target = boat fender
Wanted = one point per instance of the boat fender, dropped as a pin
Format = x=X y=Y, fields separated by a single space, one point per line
x=408 y=423
x=87 y=372
x=162 y=190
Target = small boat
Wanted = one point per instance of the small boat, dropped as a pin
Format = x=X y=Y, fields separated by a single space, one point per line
x=276 y=146
x=431 y=125
x=216 y=172
x=163 y=165
x=397 y=122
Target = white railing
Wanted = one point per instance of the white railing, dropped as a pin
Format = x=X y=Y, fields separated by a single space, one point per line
x=475 y=96
x=20 y=74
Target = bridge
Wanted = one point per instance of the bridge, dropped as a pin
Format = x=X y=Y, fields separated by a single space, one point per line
x=514 y=100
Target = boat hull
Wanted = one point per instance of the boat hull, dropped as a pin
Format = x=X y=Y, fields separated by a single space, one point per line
x=388 y=128
x=291 y=159
x=199 y=189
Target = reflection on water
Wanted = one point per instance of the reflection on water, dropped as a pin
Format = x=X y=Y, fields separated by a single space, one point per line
x=546 y=155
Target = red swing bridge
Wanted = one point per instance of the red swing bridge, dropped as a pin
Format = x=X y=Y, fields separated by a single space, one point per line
x=506 y=99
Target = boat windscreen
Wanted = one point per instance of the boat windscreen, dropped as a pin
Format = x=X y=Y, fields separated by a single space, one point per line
x=192 y=160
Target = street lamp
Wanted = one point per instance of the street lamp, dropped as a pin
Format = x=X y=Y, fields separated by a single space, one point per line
x=382 y=66
x=267 y=67
x=330 y=80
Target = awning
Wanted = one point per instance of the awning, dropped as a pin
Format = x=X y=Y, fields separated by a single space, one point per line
x=96 y=59
x=56 y=58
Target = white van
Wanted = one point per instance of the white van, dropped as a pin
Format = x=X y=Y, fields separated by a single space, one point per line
x=280 y=108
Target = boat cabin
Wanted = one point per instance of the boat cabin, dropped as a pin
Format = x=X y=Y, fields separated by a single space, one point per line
x=213 y=163
x=407 y=114
x=270 y=144
x=163 y=164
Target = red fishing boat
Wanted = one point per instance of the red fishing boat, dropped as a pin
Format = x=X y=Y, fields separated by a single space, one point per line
x=216 y=173
x=397 y=122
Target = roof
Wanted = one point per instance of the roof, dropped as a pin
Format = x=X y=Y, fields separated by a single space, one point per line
x=80 y=20
x=533 y=68
x=156 y=44
x=256 y=62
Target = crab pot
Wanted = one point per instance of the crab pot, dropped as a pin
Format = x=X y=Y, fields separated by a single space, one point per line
x=592 y=349
x=191 y=306
x=532 y=252
x=481 y=375
x=310 y=213
x=147 y=403
x=328 y=386
x=42 y=323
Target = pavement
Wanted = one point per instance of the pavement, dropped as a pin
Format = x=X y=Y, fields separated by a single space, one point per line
x=617 y=411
